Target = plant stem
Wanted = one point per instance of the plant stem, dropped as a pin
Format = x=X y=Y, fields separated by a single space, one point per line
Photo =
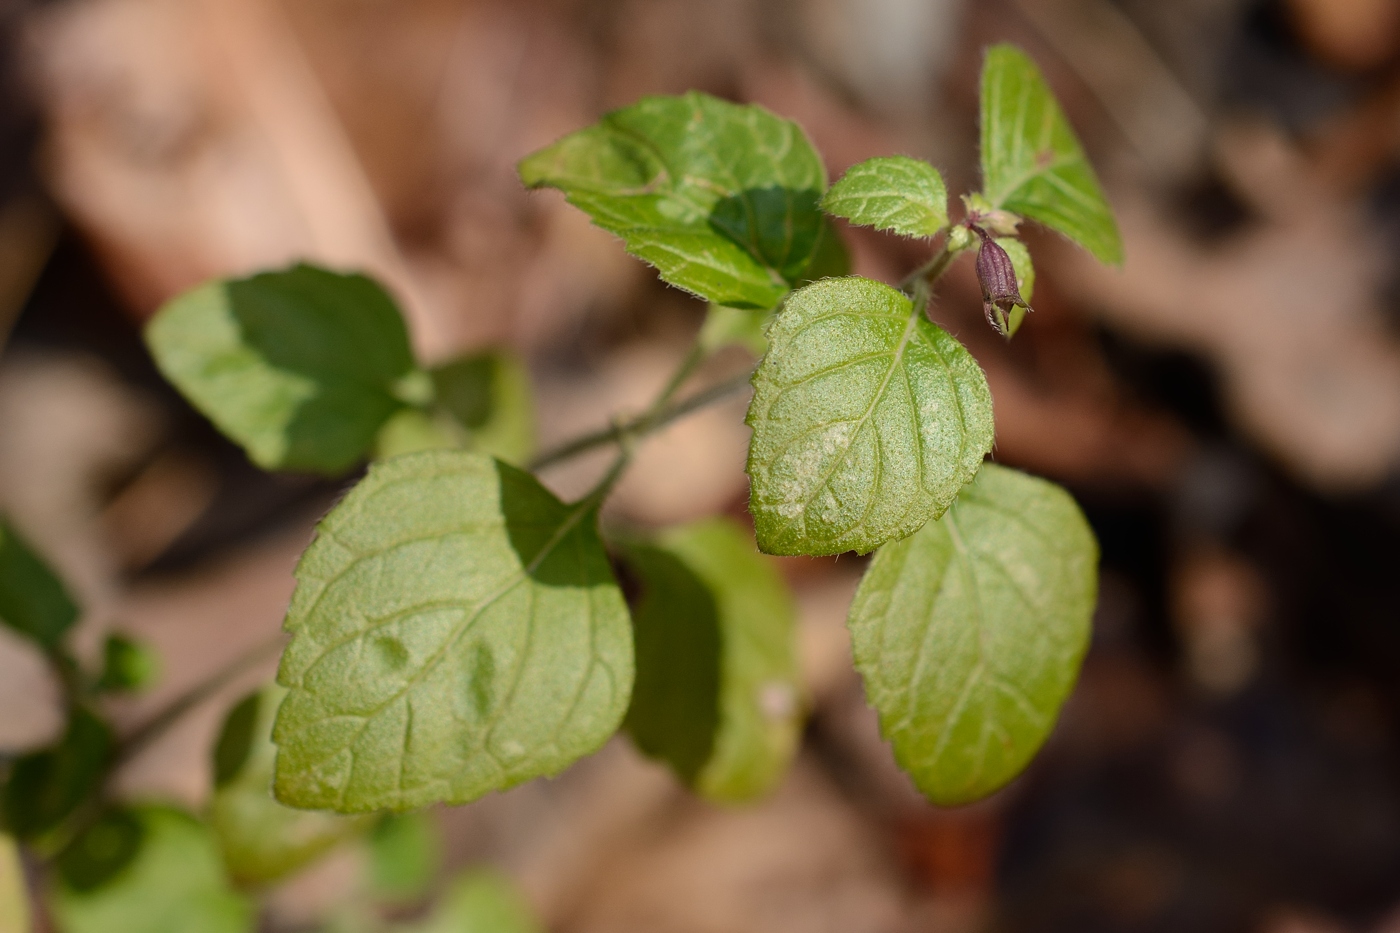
x=931 y=271
x=171 y=713
x=655 y=418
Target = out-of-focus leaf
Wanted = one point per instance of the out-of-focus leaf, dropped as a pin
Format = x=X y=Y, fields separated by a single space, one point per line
x=262 y=841
x=405 y=856
x=102 y=850
x=969 y=634
x=490 y=395
x=720 y=198
x=1032 y=162
x=301 y=367
x=743 y=326
x=867 y=419
x=412 y=430
x=14 y=898
x=46 y=786
x=894 y=193
x=175 y=884
x=482 y=901
x=33 y=601
x=716 y=696
x=830 y=259
x=456 y=629
x=127 y=665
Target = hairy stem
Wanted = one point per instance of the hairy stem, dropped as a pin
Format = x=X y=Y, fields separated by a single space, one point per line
x=655 y=418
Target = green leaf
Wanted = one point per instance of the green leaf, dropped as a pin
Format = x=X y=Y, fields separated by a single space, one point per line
x=742 y=326
x=490 y=395
x=1025 y=279
x=175 y=884
x=830 y=259
x=14 y=896
x=970 y=633
x=411 y=430
x=482 y=901
x=102 y=850
x=46 y=786
x=262 y=841
x=405 y=852
x=456 y=630
x=867 y=419
x=891 y=193
x=717 y=683
x=33 y=601
x=127 y=665
x=300 y=367
x=720 y=198
x=1032 y=162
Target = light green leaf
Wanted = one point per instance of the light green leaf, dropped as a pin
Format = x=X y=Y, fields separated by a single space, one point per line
x=33 y=601
x=482 y=901
x=891 y=193
x=405 y=854
x=970 y=633
x=742 y=326
x=1025 y=279
x=717 y=683
x=410 y=430
x=300 y=367
x=127 y=665
x=263 y=841
x=1032 y=162
x=14 y=898
x=720 y=198
x=867 y=419
x=490 y=395
x=455 y=630
x=175 y=884
x=47 y=785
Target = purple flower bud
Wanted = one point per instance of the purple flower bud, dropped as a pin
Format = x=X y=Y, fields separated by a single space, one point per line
x=997 y=276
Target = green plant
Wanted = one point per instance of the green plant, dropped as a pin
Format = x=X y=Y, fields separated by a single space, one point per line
x=456 y=629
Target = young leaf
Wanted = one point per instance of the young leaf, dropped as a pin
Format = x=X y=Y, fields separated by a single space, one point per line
x=455 y=630
x=300 y=367
x=14 y=898
x=46 y=786
x=867 y=419
x=405 y=854
x=891 y=193
x=175 y=884
x=481 y=901
x=127 y=665
x=490 y=395
x=970 y=633
x=720 y=198
x=742 y=326
x=1032 y=162
x=717 y=690
x=33 y=601
x=261 y=840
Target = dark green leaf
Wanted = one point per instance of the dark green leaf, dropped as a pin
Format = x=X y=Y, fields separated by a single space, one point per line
x=970 y=633
x=14 y=896
x=127 y=665
x=405 y=856
x=300 y=367
x=490 y=395
x=235 y=742
x=175 y=884
x=456 y=630
x=867 y=419
x=102 y=850
x=482 y=901
x=720 y=198
x=33 y=601
x=262 y=841
x=1032 y=162
x=891 y=193
x=717 y=690
x=48 y=785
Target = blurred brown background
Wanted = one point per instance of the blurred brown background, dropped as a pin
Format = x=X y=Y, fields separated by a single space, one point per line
x=1226 y=409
